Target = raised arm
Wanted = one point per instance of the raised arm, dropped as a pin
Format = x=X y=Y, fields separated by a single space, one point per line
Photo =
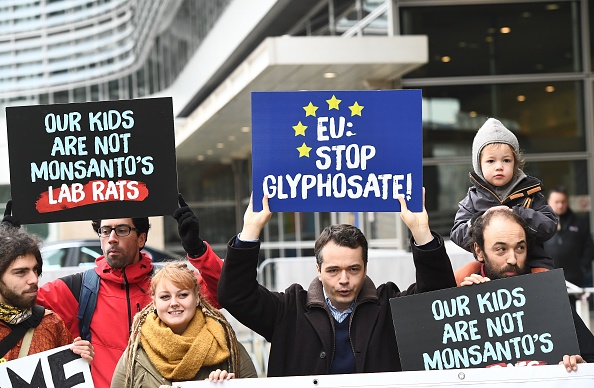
x=417 y=223
x=199 y=253
x=432 y=264
x=239 y=292
x=253 y=222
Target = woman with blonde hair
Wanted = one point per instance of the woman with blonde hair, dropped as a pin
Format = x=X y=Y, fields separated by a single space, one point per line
x=179 y=336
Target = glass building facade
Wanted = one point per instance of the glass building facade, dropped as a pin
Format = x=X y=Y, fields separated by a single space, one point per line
x=527 y=63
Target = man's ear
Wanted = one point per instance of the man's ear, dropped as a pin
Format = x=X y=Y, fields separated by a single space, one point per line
x=141 y=240
x=478 y=253
x=319 y=272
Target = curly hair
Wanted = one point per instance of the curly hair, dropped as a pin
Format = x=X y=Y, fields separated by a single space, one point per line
x=183 y=277
x=16 y=242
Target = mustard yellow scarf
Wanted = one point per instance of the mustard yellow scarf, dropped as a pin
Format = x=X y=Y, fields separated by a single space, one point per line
x=180 y=357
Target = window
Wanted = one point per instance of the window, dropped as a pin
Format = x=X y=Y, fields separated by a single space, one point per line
x=522 y=38
x=545 y=116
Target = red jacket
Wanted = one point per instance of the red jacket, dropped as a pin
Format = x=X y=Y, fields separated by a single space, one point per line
x=122 y=293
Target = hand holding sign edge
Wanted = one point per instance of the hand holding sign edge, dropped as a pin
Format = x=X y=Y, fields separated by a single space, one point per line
x=253 y=222
x=418 y=223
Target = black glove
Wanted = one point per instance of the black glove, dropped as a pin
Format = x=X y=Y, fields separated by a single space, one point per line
x=188 y=227
x=8 y=218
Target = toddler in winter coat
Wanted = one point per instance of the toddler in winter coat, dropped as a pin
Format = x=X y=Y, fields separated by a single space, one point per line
x=499 y=181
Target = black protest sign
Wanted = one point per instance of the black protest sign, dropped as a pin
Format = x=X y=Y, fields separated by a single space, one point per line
x=521 y=320
x=108 y=159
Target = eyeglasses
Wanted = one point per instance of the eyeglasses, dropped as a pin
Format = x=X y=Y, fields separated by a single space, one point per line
x=120 y=230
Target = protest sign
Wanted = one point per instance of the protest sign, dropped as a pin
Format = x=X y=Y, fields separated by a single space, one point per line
x=506 y=322
x=548 y=376
x=337 y=150
x=55 y=368
x=107 y=159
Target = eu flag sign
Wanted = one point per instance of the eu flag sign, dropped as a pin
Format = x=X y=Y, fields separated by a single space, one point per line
x=337 y=150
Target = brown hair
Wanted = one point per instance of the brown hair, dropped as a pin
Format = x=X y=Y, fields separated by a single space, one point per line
x=16 y=242
x=343 y=235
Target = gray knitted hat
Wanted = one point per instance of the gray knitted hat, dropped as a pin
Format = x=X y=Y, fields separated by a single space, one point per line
x=491 y=132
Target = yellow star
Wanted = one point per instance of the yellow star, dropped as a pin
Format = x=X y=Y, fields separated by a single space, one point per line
x=299 y=129
x=304 y=150
x=333 y=103
x=310 y=110
x=356 y=109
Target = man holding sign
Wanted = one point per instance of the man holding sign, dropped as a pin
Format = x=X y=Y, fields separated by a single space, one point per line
x=500 y=242
x=342 y=323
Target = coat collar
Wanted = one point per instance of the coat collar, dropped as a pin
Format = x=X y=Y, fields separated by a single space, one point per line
x=135 y=273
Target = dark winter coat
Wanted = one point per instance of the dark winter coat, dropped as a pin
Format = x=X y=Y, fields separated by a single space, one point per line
x=572 y=247
x=298 y=323
x=526 y=199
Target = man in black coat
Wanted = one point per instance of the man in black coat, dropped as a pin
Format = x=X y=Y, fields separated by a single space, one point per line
x=341 y=323
x=571 y=247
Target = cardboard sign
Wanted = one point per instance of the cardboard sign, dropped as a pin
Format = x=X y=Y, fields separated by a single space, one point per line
x=108 y=159
x=55 y=368
x=337 y=150
x=517 y=321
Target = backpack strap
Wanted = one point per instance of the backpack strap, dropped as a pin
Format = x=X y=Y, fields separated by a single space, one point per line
x=87 y=301
x=18 y=331
x=74 y=283
x=26 y=344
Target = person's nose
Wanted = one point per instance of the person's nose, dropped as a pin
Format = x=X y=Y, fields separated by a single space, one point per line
x=113 y=237
x=344 y=277
x=511 y=258
x=32 y=278
x=174 y=302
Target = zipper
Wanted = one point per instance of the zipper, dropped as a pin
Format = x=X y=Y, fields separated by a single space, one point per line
x=128 y=300
x=509 y=197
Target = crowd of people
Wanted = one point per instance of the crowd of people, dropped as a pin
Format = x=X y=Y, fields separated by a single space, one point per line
x=140 y=327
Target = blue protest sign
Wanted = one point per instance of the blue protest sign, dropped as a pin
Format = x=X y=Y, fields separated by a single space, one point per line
x=337 y=150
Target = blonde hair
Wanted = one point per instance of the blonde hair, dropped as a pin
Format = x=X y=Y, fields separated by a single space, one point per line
x=182 y=277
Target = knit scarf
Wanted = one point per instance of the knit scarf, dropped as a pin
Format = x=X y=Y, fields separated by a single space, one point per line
x=180 y=357
x=13 y=315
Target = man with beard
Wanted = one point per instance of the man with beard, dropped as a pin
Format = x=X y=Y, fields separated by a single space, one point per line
x=501 y=241
x=21 y=321
x=125 y=273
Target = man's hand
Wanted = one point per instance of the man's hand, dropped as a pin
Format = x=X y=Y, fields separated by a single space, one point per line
x=188 y=228
x=570 y=362
x=253 y=223
x=84 y=349
x=474 y=279
x=418 y=223
x=9 y=219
